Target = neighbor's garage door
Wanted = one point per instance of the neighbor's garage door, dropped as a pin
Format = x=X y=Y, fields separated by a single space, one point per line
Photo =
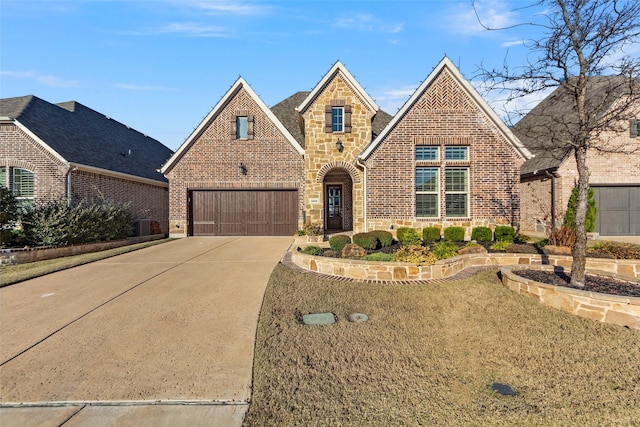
x=244 y=212
x=618 y=211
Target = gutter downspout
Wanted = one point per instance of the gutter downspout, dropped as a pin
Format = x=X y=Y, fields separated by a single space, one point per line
x=553 y=198
x=360 y=163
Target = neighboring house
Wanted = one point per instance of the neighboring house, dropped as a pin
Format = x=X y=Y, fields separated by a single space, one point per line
x=70 y=152
x=613 y=161
x=332 y=157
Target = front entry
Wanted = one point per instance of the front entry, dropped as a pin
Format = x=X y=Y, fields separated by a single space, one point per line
x=334 y=207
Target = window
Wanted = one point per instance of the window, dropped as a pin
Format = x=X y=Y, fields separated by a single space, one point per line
x=3 y=177
x=456 y=190
x=427 y=193
x=22 y=183
x=337 y=119
x=635 y=128
x=242 y=125
x=456 y=153
x=427 y=153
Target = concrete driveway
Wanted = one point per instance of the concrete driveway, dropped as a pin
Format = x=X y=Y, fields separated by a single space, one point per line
x=160 y=336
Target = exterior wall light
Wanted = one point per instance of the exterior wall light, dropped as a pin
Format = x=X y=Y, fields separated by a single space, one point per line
x=242 y=168
x=339 y=145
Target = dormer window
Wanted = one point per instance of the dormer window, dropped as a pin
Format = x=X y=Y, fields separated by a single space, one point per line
x=337 y=117
x=242 y=125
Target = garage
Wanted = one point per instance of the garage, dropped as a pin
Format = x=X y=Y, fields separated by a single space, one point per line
x=618 y=210
x=243 y=212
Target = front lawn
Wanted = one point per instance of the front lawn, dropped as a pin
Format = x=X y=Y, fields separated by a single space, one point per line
x=429 y=354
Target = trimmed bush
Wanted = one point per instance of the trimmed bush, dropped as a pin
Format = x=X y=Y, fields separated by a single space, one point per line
x=481 y=234
x=337 y=242
x=431 y=234
x=590 y=218
x=505 y=233
x=312 y=250
x=454 y=234
x=378 y=256
x=414 y=254
x=408 y=236
x=444 y=250
x=384 y=237
x=366 y=240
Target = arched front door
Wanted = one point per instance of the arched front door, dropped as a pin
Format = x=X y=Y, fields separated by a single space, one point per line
x=338 y=212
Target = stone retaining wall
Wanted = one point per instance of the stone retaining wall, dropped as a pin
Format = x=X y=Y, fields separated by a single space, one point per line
x=606 y=308
x=24 y=255
x=388 y=271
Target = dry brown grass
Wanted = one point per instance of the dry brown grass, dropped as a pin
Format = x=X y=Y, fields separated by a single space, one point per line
x=429 y=354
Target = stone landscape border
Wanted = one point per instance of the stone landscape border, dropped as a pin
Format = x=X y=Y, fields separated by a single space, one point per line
x=603 y=307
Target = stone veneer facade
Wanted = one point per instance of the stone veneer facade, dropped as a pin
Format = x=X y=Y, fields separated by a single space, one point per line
x=322 y=157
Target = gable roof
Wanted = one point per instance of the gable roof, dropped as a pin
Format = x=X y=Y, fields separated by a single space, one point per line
x=473 y=93
x=547 y=128
x=79 y=136
x=337 y=68
x=215 y=112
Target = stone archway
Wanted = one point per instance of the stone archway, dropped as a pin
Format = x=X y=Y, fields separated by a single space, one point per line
x=338 y=200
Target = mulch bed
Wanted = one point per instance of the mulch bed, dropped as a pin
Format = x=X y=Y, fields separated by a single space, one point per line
x=593 y=283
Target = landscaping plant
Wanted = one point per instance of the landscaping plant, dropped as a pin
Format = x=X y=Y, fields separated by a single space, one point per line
x=431 y=234
x=408 y=236
x=454 y=234
x=562 y=236
x=8 y=215
x=590 y=218
x=481 y=234
x=505 y=232
x=501 y=245
x=312 y=250
x=338 y=242
x=366 y=240
x=444 y=250
x=378 y=256
x=384 y=237
x=414 y=254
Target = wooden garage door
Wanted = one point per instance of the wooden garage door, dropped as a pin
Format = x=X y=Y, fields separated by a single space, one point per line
x=618 y=211
x=244 y=212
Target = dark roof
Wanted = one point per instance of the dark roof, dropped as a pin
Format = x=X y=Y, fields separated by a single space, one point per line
x=285 y=111
x=548 y=128
x=84 y=136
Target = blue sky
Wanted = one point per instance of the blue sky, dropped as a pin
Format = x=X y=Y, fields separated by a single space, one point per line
x=159 y=66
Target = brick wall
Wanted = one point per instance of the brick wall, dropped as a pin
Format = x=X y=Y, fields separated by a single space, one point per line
x=211 y=162
x=445 y=115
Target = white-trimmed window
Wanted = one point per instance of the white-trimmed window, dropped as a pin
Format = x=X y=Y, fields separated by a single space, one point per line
x=456 y=190
x=22 y=183
x=427 y=153
x=456 y=153
x=427 y=192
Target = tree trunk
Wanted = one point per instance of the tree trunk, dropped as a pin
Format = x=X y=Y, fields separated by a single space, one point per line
x=580 y=248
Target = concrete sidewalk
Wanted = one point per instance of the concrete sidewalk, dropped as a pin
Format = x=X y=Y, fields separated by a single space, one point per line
x=160 y=336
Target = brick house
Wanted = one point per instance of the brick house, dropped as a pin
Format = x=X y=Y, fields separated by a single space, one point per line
x=332 y=157
x=68 y=151
x=614 y=170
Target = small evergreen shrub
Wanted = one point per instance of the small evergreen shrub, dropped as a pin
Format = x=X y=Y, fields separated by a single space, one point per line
x=8 y=215
x=378 y=256
x=312 y=250
x=501 y=245
x=338 y=242
x=431 y=234
x=590 y=218
x=444 y=250
x=384 y=237
x=414 y=254
x=408 y=236
x=454 y=234
x=481 y=234
x=505 y=232
x=366 y=240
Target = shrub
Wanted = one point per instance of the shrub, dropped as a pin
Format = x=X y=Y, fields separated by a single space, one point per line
x=501 y=245
x=366 y=240
x=408 y=236
x=301 y=233
x=8 y=214
x=55 y=223
x=481 y=234
x=338 y=242
x=384 y=237
x=378 y=256
x=505 y=232
x=521 y=248
x=431 y=234
x=563 y=236
x=619 y=250
x=570 y=215
x=444 y=250
x=414 y=254
x=313 y=229
x=312 y=250
x=454 y=234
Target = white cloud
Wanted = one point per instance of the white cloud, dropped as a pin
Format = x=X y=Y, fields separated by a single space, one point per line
x=190 y=29
x=44 y=79
x=513 y=43
x=391 y=100
x=508 y=108
x=228 y=7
